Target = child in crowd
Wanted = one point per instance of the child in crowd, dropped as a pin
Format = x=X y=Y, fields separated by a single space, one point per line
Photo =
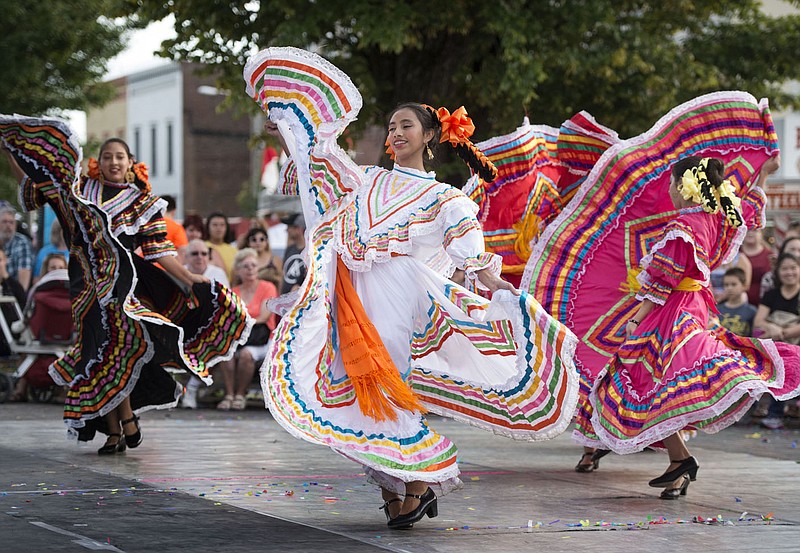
x=735 y=313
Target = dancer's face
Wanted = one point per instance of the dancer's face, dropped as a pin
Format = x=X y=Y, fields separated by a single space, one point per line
x=407 y=137
x=675 y=194
x=115 y=162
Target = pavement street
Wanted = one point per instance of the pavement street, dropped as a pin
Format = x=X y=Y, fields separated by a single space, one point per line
x=205 y=480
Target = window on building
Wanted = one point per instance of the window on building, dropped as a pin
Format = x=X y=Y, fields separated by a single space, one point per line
x=170 y=166
x=153 y=152
x=137 y=141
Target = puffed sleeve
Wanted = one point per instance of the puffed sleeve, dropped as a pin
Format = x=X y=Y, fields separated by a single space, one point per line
x=463 y=240
x=152 y=238
x=666 y=265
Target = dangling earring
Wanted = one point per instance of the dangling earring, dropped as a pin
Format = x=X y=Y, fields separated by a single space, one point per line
x=130 y=176
x=428 y=152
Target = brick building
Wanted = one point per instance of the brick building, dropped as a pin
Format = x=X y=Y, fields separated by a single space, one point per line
x=168 y=115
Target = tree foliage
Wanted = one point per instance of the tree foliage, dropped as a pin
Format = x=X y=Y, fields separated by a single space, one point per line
x=625 y=61
x=54 y=58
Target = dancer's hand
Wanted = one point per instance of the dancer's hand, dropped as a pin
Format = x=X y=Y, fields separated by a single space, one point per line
x=494 y=282
x=772 y=164
x=630 y=329
x=198 y=279
x=271 y=128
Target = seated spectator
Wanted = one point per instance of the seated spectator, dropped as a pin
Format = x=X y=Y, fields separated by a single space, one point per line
x=735 y=313
x=761 y=256
x=790 y=245
x=57 y=244
x=778 y=318
x=269 y=266
x=219 y=237
x=52 y=262
x=19 y=252
x=254 y=292
x=197 y=255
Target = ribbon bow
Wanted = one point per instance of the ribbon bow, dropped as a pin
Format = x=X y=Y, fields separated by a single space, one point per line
x=456 y=127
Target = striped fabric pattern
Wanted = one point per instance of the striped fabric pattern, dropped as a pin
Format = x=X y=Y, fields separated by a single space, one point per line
x=468 y=358
x=583 y=256
x=115 y=317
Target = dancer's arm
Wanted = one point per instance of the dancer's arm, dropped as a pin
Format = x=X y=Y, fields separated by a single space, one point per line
x=645 y=307
x=174 y=268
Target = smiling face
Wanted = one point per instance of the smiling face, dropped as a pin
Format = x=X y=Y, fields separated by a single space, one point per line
x=115 y=162
x=408 y=138
x=789 y=272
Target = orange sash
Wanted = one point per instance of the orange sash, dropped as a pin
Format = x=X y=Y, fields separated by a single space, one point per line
x=377 y=382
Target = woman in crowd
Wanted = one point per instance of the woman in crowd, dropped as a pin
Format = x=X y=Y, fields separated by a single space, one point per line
x=219 y=238
x=254 y=292
x=270 y=267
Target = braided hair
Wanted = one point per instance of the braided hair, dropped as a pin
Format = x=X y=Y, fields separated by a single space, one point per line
x=715 y=191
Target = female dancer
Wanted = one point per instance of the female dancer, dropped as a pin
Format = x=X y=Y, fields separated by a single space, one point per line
x=133 y=319
x=377 y=316
x=671 y=372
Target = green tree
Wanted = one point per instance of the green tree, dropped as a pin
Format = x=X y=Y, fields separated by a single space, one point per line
x=54 y=56
x=625 y=61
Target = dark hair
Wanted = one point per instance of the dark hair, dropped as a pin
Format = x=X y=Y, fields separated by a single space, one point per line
x=194 y=220
x=781 y=258
x=467 y=151
x=228 y=231
x=715 y=172
x=116 y=141
x=782 y=249
x=254 y=232
x=48 y=257
x=736 y=272
x=171 y=203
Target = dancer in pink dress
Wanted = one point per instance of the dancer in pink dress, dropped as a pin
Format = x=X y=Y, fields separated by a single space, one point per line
x=671 y=372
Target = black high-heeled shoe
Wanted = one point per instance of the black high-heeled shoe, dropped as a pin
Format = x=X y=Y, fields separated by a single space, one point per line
x=110 y=449
x=580 y=467
x=385 y=507
x=133 y=440
x=687 y=466
x=427 y=506
x=675 y=493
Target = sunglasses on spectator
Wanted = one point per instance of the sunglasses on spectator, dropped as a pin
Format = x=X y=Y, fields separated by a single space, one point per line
x=258 y=238
x=195 y=254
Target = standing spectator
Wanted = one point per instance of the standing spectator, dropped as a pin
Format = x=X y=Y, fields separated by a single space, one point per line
x=218 y=238
x=760 y=256
x=735 y=313
x=294 y=267
x=17 y=247
x=175 y=232
x=57 y=244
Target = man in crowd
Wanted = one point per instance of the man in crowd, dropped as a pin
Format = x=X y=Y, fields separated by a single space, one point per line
x=17 y=247
x=294 y=268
